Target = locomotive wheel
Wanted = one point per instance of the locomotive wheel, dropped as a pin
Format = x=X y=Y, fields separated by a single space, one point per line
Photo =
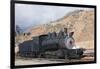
x=64 y=54
x=41 y=55
x=66 y=57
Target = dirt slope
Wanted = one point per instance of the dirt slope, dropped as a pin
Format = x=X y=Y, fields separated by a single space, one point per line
x=81 y=22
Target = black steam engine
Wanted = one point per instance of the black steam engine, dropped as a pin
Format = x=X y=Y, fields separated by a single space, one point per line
x=51 y=45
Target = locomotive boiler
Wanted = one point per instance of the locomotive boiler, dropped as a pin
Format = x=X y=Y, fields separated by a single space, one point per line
x=60 y=45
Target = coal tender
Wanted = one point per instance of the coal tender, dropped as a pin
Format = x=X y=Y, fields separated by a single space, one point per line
x=51 y=45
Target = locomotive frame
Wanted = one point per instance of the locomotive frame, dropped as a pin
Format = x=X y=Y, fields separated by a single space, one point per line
x=13 y=2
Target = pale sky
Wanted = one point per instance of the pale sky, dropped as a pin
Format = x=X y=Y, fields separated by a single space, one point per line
x=31 y=15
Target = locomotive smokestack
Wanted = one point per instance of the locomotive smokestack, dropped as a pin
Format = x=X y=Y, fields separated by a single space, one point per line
x=71 y=34
x=66 y=31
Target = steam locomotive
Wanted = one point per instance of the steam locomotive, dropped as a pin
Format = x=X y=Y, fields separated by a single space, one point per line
x=51 y=45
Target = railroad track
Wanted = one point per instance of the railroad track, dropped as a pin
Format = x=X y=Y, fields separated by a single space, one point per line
x=87 y=56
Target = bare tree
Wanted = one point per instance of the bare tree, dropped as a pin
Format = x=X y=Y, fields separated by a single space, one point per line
x=17 y=30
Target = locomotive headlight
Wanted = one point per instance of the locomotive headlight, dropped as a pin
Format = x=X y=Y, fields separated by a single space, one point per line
x=69 y=43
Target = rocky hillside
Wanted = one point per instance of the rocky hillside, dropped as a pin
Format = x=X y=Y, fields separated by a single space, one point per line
x=80 y=21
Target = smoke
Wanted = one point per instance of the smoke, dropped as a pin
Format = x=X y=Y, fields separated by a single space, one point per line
x=75 y=47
